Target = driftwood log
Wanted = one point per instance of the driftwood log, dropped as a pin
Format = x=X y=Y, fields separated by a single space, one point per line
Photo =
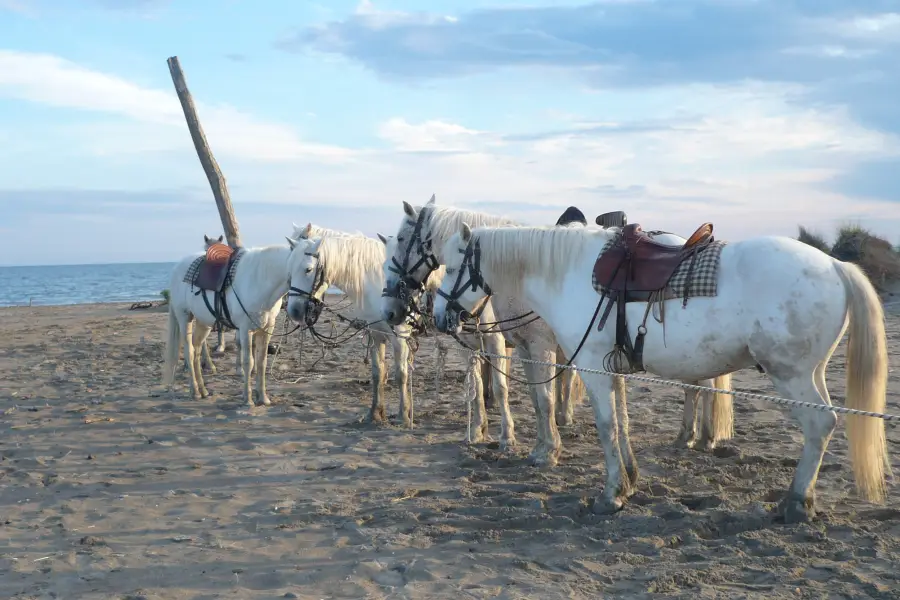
x=207 y=160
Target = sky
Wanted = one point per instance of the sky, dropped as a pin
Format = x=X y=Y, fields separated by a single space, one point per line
x=757 y=115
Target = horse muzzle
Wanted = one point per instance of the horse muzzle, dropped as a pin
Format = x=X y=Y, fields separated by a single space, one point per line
x=394 y=311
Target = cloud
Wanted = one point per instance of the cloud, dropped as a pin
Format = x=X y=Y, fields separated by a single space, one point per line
x=839 y=50
x=53 y=81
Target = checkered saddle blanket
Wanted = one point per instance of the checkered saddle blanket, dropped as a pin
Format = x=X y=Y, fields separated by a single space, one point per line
x=215 y=270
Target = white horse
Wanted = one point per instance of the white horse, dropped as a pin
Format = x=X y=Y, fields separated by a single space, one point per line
x=351 y=263
x=415 y=251
x=779 y=303
x=253 y=300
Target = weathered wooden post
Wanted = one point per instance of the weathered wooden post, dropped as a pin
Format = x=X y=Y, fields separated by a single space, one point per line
x=210 y=166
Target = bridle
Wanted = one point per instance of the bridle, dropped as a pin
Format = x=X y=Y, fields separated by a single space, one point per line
x=470 y=266
x=407 y=289
x=455 y=313
x=314 y=305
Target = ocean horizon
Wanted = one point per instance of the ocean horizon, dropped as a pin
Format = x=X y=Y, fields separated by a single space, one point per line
x=56 y=285
x=62 y=285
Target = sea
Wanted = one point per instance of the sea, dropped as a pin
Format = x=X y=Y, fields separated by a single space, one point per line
x=56 y=285
x=83 y=284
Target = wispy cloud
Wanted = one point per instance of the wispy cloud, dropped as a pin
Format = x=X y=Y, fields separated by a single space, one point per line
x=54 y=81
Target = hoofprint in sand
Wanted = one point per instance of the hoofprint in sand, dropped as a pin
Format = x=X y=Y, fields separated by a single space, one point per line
x=108 y=489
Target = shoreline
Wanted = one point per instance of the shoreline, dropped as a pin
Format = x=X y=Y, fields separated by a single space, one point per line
x=125 y=303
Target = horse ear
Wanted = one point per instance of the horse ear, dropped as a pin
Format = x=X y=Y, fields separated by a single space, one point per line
x=221 y=237
x=409 y=210
x=308 y=231
x=316 y=245
x=432 y=201
x=205 y=238
x=291 y=242
x=382 y=238
x=466 y=233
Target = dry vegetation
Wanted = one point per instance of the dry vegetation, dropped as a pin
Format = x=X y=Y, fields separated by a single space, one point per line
x=876 y=256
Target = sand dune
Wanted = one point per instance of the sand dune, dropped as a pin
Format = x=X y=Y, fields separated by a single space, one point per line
x=111 y=489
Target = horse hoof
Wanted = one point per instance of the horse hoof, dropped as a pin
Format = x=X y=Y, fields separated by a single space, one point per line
x=476 y=438
x=607 y=506
x=797 y=510
x=708 y=444
x=686 y=439
x=267 y=401
x=544 y=461
x=507 y=444
x=375 y=418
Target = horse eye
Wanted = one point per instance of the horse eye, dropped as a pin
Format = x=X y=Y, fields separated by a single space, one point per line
x=399 y=239
x=308 y=270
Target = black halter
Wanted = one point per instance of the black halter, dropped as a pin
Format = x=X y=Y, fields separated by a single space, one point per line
x=313 y=305
x=408 y=289
x=471 y=266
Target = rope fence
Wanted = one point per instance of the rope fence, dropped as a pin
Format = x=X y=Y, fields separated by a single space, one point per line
x=469 y=356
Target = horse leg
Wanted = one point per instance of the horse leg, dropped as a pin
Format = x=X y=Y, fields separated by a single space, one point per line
x=238 y=357
x=198 y=339
x=500 y=388
x=565 y=411
x=206 y=358
x=600 y=390
x=187 y=341
x=246 y=356
x=818 y=426
x=480 y=418
x=261 y=343
x=628 y=459
x=190 y=328
x=220 y=345
x=688 y=434
x=376 y=357
x=546 y=451
x=718 y=412
x=486 y=376
x=569 y=391
x=401 y=379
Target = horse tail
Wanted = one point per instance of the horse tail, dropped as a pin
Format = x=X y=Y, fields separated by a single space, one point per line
x=170 y=354
x=867 y=368
x=721 y=413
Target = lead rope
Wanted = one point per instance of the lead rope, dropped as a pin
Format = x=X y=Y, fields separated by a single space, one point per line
x=470 y=395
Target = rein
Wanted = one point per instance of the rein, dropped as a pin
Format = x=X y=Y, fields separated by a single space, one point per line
x=472 y=263
x=408 y=289
x=315 y=306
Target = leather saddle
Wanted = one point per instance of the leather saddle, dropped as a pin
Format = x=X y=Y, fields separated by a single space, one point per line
x=212 y=275
x=638 y=263
x=632 y=269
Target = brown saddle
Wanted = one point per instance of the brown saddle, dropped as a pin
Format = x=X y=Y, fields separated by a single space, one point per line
x=632 y=269
x=213 y=271
x=638 y=263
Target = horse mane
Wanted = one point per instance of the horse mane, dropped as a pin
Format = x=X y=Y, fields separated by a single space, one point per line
x=317 y=231
x=264 y=263
x=351 y=261
x=443 y=221
x=513 y=253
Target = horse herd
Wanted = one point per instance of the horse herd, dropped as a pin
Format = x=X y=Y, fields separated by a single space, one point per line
x=503 y=287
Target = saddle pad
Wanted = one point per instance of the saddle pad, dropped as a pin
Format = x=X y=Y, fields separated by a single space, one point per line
x=704 y=278
x=194 y=269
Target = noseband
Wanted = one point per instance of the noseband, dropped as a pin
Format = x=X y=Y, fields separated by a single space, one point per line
x=471 y=266
x=313 y=305
x=408 y=289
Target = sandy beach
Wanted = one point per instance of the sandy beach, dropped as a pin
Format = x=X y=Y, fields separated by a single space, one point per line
x=111 y=489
